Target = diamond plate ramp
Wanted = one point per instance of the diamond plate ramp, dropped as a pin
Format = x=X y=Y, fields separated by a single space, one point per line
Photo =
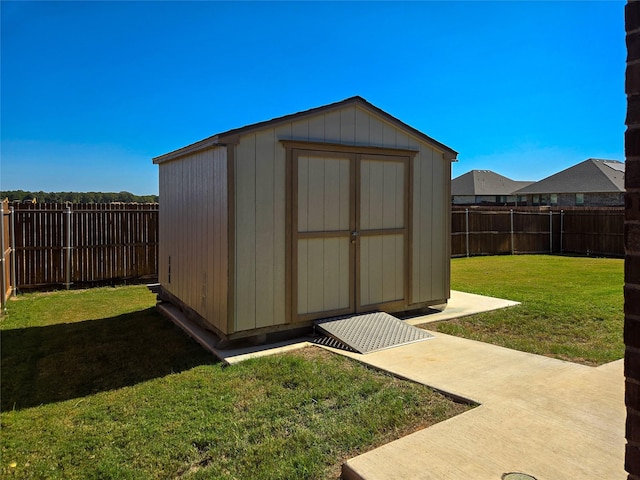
x=371 y=332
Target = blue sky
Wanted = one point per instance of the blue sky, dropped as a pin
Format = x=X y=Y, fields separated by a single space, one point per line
x=91 y=91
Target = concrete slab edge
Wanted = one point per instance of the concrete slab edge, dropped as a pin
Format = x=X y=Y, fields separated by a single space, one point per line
x=358 y=357
x=206 y=339
x=463 y=304
x=232 y=357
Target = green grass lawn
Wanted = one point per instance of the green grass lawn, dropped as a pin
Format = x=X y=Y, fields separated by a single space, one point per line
x=97 y=385
x=572 y=307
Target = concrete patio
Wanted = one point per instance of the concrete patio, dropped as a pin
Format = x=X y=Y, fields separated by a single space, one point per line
x=536 y=415
x=540 y=416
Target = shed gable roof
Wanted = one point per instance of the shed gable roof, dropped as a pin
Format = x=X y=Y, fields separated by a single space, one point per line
x=484 y=182
x=591 y=176
x=232 y=136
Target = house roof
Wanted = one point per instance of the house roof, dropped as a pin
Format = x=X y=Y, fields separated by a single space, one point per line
x=232 y=136
x=484 y=182
x=591 y=176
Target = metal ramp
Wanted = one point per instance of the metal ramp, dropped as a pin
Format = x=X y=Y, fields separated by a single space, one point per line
x=371 y=332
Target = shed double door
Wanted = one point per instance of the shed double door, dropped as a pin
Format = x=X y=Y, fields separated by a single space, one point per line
x=350 y=233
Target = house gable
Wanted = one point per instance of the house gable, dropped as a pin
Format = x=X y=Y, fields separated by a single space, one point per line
x=590 y=176
x=484 y=182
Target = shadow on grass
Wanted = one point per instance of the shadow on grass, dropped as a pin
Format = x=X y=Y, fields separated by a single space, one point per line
x=58 y=362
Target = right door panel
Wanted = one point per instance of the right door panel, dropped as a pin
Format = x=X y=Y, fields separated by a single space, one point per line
x=382 y=259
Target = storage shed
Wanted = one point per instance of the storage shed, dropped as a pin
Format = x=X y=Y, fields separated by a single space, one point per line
x=335 y=210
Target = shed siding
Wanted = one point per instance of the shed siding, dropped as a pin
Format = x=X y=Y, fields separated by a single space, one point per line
x=260 y=230
x=430 y=276
x=193 y=232
x=260 y=211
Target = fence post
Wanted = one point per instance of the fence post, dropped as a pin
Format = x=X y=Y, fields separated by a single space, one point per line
x=550 y=231
x=466 y=216
x=3 y=270
x=67 y=248
x=561 y=229
x=14 y=283
x=511 y=218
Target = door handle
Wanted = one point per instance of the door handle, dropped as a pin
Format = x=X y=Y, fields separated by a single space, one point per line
x=354 y=236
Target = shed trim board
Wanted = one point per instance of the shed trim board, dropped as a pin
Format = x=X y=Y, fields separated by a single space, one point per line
x=251 y=194
x=231 y=232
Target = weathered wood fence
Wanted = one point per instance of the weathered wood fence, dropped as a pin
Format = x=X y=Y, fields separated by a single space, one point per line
x=59 y=245
x=500 y=230
x=66 y=244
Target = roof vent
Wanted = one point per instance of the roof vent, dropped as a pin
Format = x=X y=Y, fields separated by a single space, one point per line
x=618 y=166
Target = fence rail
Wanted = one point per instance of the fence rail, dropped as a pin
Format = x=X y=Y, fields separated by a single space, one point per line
x=496 y=231
x=45 y=245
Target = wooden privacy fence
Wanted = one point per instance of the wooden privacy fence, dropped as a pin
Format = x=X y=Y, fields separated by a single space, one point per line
x=496 y=231
x=65 y=244
x=46 y=245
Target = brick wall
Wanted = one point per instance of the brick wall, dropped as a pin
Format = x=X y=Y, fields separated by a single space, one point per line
x=610 y=199
x=603 y=199
x=632 y=240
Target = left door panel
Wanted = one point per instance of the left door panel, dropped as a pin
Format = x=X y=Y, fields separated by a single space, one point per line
x=323 y=217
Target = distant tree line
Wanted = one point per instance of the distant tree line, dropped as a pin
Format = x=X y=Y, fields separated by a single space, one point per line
x=77 y=197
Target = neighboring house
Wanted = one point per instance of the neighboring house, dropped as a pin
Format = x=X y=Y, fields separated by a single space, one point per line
x=484 y=187
x=336 y=210
x=592 y=183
